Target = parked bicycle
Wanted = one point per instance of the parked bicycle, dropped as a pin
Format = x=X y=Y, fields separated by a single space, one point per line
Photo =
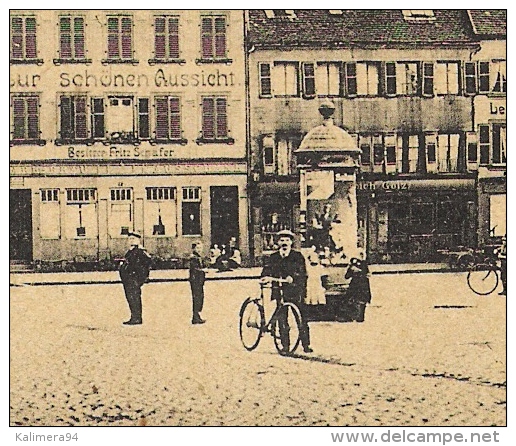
x=484 y=274
x=284 y=324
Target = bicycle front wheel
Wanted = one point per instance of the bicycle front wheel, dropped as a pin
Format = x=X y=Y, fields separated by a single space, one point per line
x=252 y=323
x=286 y=328
x=483 y=279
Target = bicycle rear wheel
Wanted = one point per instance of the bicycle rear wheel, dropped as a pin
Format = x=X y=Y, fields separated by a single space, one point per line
x=286 y=328
x=252 y=323
x=483 y=279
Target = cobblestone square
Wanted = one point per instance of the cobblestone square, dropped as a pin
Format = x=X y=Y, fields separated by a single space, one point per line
x=430 y=353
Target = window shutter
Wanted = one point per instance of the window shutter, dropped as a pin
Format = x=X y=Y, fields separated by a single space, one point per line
x=159 y=38
x=19 y=118
x=222 y=122
x=265 y=79
x=32 y=118
x=161 y=118
x=127 y=45
x=175 y=118
x=173 y=38
x=98 y=129
x=220 y=37
x=81 y=129
x=30 y=38
x=16 y=37
x=208 y=118
x=483 y=77
x=79 y=37
x=207 y=37
x=65 y=38
x=113 y=50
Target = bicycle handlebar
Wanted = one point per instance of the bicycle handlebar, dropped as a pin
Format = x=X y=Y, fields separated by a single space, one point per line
x=266 y=279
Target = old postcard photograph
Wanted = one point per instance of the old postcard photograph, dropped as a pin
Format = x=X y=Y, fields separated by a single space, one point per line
x=254 y=218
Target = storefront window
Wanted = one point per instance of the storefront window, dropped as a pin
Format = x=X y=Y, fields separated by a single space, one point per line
x=160 y=211
x=50 y=220
x=191 y=211
x=81 y=214
x=121 y=212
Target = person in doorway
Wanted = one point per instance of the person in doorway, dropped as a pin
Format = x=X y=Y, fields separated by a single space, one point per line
x=286 y=263
x=502 y=255
x=359 y=290
x=197 y=276
x=134 y=272
x=231 y=259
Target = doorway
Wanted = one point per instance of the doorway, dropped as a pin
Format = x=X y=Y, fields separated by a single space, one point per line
x=224 y=214
x=20 y=225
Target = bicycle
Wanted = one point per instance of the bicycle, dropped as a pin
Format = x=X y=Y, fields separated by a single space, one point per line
x=284 y=324
x=483 y=276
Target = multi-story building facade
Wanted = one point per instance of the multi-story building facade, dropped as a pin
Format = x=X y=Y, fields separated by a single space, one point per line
x=490 y=120
x=408 y=85
x=122 y=121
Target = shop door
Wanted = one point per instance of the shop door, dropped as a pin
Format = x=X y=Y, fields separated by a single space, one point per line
x=224 y=214
x=20 y=225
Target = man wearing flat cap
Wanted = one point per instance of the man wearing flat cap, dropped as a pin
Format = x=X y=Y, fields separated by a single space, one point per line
x=289 y=264
x=134 y=271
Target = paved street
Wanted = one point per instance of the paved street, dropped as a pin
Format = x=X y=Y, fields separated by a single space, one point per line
x=429 y=353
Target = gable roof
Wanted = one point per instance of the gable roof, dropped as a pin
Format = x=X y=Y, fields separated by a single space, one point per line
x=369 y=27
x=489 y=22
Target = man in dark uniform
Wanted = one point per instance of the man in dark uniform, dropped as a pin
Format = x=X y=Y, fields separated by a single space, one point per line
x=134 y=271
x=359 y=290
x=196 y=278
x=289 y=264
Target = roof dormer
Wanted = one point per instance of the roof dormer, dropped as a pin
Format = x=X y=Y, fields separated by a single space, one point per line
x=280 y=14
x=418 y=15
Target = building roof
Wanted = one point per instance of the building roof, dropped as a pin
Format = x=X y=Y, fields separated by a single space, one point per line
x=357 y=27
x=489 y=22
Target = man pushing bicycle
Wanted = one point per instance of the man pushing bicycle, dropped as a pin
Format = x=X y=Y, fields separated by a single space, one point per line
x=288 y=264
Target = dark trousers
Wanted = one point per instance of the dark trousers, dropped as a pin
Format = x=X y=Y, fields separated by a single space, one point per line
x=197 y=299
x=503 y=273
x=304 y=329
x=133 y=294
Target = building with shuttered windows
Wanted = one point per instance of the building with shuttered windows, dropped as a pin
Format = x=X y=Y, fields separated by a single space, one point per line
x=126 y=121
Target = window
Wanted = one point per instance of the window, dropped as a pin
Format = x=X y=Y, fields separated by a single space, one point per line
x=81 y=214
x=25 y=119
x=327 y=79
x=408 y=153
x=483 y=139
x=23 y=40
x=50 y=215
x=365 y=148
x=161 y=211
x=431 y=152
x=447 y=78
x=285 y=79
x=472 y=150
x=498 y=79
x=390 y=79
x=143 y=118
x=71 y=39
x=168 y=118
x=483 y=78
x=378 y=150
x=367 y=78
x=406 y=78
x=97 y=118
x=120 y=39
x=499 y=144
x=448 y=152
x=265 y=79
x=470 y=78
x=418 y=15
x=191 y=211
x=351 y=79
x=213 y=38
x=390 y=153
x=269 y=165
x=166 y=38
x=278 y=153
x=214 y=119
x=428 y=79
x=73 y=118
x=308 y=80
x=120 y=211
x=120 y=119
